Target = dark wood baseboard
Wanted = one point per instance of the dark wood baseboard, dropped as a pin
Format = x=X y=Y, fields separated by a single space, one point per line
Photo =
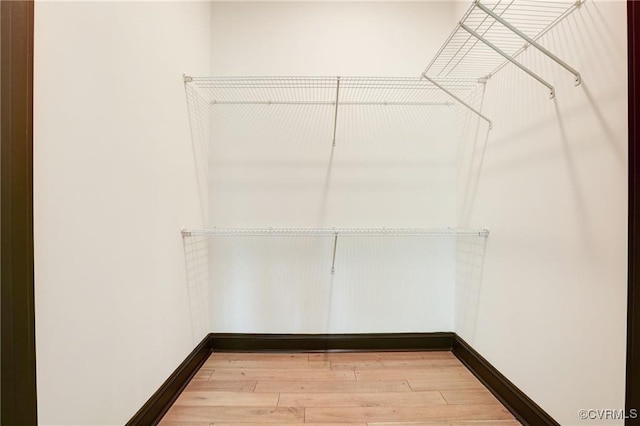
x=153 y=410
x=233 y=342
x=520 y=405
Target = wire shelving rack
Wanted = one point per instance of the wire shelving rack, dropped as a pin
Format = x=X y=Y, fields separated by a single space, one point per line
x=493 y=33
x=490 y=35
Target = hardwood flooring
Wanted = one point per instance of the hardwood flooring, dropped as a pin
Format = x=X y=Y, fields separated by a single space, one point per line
x=340 y=389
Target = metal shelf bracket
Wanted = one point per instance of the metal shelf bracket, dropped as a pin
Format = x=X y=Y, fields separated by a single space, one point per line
x=509 y=58
x=448 y=92
x=335 y=247
x=335 y=117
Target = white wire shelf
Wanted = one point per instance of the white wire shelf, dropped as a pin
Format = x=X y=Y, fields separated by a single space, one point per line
x=331 y=232
x=334 y=92
x=297 y=90
x=493 y=33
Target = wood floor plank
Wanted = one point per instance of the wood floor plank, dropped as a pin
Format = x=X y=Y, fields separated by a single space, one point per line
x=225 y=398
x=391 y=364
x=352 y=365
x=420 y=363
x=254 y=364
x=373 y=399
x=221 y=385
x=292 y=386
x=466 y=396
x=441 y=423
x=291 y=424
x=250 y=356
x=445 y=383
x=235 y=414
x=408 y=413
x=444 y=423
x=425 y=373
x=279 y=374
x=378 y=356
x=203 y=374
x=164 y=423
x=409 y=424
x=487 y=423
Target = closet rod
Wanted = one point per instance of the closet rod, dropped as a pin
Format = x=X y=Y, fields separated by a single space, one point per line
x=529 y=40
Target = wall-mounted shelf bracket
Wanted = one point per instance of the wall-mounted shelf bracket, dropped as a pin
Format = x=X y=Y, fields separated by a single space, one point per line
x=335 y=247
x=529 y=40
x=508 y=58
x=448 y=92
x=335 y=116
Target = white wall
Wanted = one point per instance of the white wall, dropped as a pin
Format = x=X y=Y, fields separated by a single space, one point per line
x=114 y=183
x=391 y=166
x=327 y=38
x=275 y=166
x=551 y=183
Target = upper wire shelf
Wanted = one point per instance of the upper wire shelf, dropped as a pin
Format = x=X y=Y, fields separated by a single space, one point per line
x=334 y=92
x=436 y=232
x=493 y=33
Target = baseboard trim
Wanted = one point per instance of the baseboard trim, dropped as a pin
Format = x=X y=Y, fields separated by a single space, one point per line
x=517 y=402
x=233 y=342
x=153 y=410
x=521 y=406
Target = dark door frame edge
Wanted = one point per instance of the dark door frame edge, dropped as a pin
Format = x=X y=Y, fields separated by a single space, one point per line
x=632 y=390
x=18 y=365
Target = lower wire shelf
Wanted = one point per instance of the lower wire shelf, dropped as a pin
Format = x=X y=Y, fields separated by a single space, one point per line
x=436 y=232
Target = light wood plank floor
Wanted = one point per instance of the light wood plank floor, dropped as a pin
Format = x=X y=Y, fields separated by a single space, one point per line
x=356 y=388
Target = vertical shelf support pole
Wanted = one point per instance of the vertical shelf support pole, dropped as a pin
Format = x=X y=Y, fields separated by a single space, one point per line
x=335 y=246
x=529 y=40
x=335 y=116
x=509 y=58
x=439 y=86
